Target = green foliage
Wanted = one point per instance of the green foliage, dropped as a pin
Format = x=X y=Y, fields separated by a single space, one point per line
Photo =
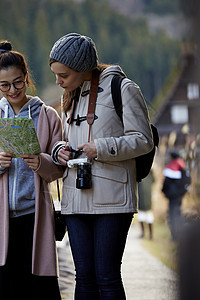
x=35 y=25
x=162 y=6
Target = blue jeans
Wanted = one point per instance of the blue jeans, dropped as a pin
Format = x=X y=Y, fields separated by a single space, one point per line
x=97 y=243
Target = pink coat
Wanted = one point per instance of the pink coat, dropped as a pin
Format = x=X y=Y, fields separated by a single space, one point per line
x=44 y=257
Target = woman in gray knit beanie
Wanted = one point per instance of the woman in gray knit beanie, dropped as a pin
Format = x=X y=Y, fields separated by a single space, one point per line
x=75 y=54
x=99 y=194
x=76 y=51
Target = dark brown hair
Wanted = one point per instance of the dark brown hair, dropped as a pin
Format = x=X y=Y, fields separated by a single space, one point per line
x=10 y=58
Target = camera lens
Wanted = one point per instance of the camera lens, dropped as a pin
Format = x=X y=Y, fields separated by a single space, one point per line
x=84 y=179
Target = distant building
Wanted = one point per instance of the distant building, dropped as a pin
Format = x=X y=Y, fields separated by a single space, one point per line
x=178 y=105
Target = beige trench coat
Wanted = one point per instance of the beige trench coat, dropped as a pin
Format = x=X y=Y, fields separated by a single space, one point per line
x=44 y=258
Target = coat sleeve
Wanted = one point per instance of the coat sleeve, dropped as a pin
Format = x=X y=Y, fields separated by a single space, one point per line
x=137 y=139
x=2 y=170
x=48 y=135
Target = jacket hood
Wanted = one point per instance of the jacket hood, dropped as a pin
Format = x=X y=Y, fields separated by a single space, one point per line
x=112 y=70
x=28 y=110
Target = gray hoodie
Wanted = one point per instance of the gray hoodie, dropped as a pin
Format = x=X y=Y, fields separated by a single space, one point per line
x=21 y=177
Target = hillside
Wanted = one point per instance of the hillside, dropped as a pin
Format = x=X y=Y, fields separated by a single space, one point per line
x=170 y=18
x=146 y=6
x=128 y=7
x=146 y=56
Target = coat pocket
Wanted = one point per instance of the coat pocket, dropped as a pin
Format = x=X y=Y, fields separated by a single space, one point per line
x=109 y=185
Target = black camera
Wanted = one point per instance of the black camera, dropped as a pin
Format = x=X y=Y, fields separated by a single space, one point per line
x=84 y=178
x=83 y=166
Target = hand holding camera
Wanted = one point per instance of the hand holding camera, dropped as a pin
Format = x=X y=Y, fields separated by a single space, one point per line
x=83 y=166
x=63 y=156
x=71 y=157
x=89 y=149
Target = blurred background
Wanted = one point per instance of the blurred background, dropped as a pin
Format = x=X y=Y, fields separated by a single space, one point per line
x=157 y=45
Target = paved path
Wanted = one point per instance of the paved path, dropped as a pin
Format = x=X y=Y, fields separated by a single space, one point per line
x=144 y=276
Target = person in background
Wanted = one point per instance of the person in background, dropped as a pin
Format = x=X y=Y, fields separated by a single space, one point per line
x=100 y=200
x=28 y=259
x=172 y=189
x=145 y=215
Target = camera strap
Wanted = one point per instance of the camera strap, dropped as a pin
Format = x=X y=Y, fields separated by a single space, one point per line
x=92 y=99
x=91 y=105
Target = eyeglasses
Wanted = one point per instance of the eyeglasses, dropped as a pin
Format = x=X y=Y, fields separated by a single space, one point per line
x=18 y=85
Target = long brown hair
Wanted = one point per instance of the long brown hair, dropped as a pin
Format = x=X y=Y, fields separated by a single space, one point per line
x=68 y=96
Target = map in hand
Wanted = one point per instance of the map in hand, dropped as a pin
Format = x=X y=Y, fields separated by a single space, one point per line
x=18 y=136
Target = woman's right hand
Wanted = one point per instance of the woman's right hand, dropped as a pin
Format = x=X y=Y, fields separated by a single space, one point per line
x=6 y=159
x=63 y=156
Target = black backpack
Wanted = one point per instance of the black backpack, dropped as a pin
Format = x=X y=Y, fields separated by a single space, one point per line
x=143 y=162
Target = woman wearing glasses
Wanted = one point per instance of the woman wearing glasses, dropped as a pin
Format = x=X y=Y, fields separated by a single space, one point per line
x=28 y=267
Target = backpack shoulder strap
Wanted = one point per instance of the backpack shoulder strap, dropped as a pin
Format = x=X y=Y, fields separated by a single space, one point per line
x=143 y=162
x=155 y=135
x=116 y=94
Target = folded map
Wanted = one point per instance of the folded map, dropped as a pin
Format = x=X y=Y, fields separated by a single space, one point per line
x=18 y=136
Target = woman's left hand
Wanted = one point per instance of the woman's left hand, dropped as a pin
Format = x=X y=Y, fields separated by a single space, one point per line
x=89 y=149
x=32 y=160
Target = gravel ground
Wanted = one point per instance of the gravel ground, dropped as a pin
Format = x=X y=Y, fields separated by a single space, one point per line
x=144 y=276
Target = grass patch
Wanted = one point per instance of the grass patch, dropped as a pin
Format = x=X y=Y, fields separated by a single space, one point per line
x=162 y=246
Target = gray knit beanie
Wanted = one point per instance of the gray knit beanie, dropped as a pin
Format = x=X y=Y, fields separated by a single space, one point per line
x=76 y=51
